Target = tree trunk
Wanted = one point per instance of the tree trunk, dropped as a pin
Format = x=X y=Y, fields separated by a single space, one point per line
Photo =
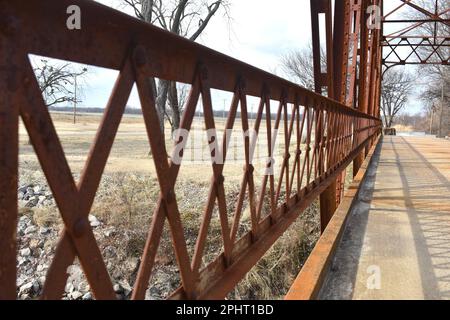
x=431 y=122
x=390 y=121
x=159 y=93
x=174 y=105
x=385 y=120
x=161 y=100
x=149 y=13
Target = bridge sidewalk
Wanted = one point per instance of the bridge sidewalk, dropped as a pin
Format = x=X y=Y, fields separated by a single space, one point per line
x=396 y=244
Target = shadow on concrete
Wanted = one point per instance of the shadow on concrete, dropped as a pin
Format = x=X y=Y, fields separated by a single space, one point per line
x=424 y=200
x=430 y=226
x=340 y=281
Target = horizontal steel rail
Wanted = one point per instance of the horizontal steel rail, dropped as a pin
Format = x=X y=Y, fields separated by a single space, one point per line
x=335 y=135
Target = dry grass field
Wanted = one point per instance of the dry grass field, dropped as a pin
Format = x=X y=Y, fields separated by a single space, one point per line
x=130 y=152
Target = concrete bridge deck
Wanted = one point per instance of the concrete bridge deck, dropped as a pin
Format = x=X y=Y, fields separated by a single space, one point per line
x=396 y=242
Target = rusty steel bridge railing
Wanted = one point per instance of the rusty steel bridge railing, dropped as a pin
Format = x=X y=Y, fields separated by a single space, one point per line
x=335 y=135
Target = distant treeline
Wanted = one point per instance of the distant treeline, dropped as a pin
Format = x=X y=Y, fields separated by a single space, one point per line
x=130 y=110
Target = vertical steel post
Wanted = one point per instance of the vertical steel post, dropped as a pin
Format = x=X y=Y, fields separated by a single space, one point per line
x=341 y=48
x=374 y=70
x=328 y=197
x=363 y=64
x=341 y=39
x=334 y=79
x=10 y=84
x=355 y=14
x=380 y=66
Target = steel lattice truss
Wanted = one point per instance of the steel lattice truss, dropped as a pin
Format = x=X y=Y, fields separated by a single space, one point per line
x=335 y=135
x=416 y=32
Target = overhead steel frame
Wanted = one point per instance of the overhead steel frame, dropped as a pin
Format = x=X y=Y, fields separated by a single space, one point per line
x=352 y=74
x=421 y=40
x=111 y=39
x=353 y=68
x=403 y=46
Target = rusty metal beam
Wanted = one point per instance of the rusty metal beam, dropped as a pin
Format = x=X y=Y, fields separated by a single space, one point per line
x=363 y=70
x=11 y=81
x=327 y=79
x=412 y=37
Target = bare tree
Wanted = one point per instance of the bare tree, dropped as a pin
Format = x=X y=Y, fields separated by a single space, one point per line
x=298 y=65
x=396 y=87
x=436 y=97
x=187 y=18
x=430 y=111
x=57 y=81
x=177 y=99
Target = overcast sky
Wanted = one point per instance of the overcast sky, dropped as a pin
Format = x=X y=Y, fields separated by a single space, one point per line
x=259 y=34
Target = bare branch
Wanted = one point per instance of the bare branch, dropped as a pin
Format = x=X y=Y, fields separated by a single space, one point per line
x=212 y=9
x=56 y=81
x=298 y=65
x=137 y=7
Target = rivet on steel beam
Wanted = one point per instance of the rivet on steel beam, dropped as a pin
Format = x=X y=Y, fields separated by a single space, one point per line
x=254 y=236
x=8 y=25
x=243 y=84
x=203 y=71
x=265 y=91
x=140 y=57
x=80 y=227
x=249 y=169
x=284 y=95
x=220 y=179
x=26 y=81
x=170 y=196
